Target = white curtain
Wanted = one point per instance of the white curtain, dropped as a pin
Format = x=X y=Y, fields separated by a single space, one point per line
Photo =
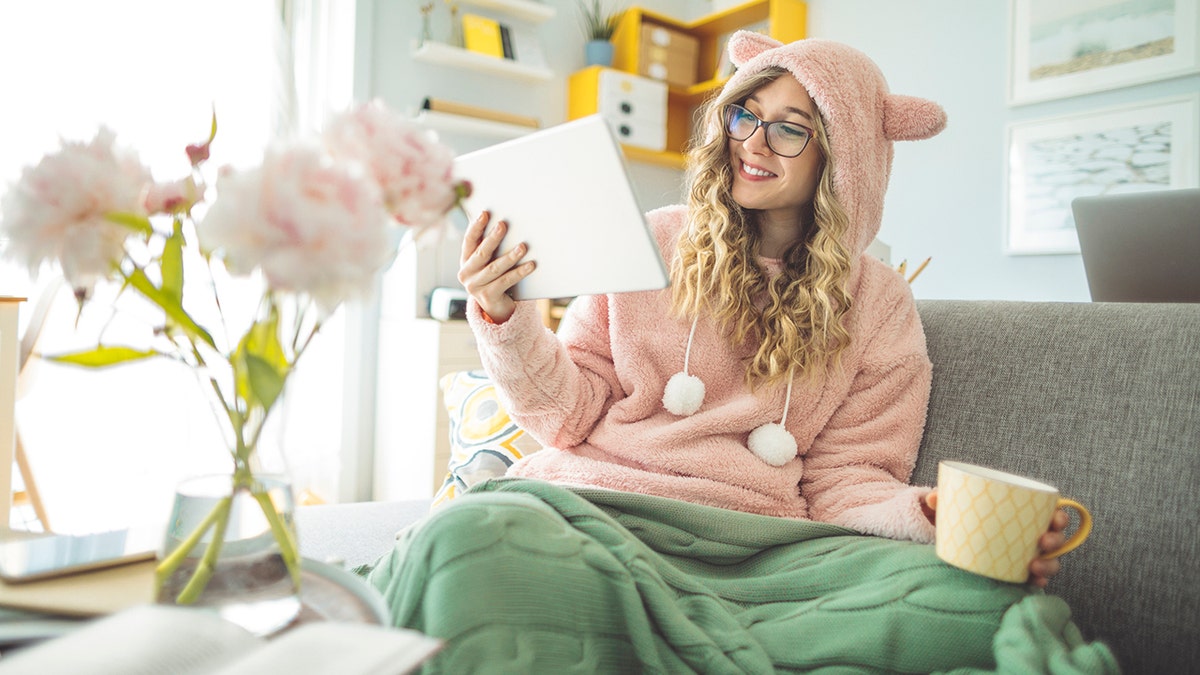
x=321 y=43
x=328 y=419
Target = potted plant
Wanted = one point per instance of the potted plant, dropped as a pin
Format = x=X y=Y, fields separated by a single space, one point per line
x=598 y=28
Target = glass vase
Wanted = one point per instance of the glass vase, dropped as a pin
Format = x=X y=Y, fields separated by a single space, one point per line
x=426 y=34
x=231 y=547
x=456 y=38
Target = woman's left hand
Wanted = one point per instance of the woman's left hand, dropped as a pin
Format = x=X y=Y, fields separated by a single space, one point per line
x=1040 y=571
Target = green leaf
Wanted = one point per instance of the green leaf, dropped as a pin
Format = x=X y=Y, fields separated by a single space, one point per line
x=261 y=363
x=103 y=356
x=262 y=340
x=172 y=263
x=265 y=382
x=135 y=222
x=171 y=305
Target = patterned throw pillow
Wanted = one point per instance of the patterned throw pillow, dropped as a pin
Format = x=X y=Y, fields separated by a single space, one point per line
x=484 y=440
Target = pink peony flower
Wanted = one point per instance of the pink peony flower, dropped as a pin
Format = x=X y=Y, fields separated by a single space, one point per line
x=174 y=197
x=56 y=211
x=414 y=171
x=198 y=152
x=311 y=224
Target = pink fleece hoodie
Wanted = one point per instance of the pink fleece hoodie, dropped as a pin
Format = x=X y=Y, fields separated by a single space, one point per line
x=592 y=394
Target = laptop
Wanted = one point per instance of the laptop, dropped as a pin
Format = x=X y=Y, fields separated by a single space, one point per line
x=1141 y=247
x=565 y=192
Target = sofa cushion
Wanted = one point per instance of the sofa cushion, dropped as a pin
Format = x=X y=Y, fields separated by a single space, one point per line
x=1102 y=401
x=484 y=440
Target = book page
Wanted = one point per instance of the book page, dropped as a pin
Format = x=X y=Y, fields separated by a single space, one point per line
x=166 y=639
x=343 y=648
x=144 y=640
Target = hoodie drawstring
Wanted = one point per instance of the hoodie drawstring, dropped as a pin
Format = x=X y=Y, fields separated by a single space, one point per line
x=684 y=394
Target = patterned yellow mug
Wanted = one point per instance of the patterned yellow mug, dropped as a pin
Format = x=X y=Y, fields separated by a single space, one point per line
x=989 y=522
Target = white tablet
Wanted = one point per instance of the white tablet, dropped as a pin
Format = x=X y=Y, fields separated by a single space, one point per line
x=564 y=191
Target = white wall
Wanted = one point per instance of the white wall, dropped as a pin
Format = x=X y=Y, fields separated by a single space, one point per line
x=946 y=198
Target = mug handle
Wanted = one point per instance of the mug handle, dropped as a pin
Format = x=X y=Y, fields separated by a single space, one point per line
x=1085 y=528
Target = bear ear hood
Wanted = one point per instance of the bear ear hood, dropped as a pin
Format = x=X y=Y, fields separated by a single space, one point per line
x=862 y=118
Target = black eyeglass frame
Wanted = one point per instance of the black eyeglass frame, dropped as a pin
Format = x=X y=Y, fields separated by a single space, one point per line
x=727 y=111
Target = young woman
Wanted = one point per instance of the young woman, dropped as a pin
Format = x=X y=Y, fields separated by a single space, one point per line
x=777 y=388
x=805 y=351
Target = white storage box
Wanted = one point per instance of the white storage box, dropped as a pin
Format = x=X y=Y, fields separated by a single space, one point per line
x=635 y=107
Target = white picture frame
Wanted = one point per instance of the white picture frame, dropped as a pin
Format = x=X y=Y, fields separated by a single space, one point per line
x=1153 y=145
x=1122 y=44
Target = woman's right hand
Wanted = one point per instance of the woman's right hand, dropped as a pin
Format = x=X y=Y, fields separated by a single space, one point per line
x=488 y=277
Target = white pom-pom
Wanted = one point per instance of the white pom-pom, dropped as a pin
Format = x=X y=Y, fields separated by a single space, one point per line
x=773 y=444
x=684 y=394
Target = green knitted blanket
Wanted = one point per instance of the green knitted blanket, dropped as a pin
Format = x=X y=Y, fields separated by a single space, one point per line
x=520 y=576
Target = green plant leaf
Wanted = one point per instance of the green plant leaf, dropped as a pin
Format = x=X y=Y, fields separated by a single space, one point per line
x=169 y=304
x=262 y=340
x=261 y=363
x=597 y=23
x=172 y=263
x=135 y=222
x=265 y=382
x=103 y=356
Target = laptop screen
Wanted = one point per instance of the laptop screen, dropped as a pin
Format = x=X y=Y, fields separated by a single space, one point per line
x=1141 y=247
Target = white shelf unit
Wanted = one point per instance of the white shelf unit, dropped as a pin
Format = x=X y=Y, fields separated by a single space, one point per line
x=412 y=435
x=526 y=10
x=442 y=54
x=412 y=444
x=449 y=123
x=412 y=432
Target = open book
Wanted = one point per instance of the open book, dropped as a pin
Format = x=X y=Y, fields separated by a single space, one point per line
x=162 y=640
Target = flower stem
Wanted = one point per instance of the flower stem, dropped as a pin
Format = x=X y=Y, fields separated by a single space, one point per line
x=208 y=564
x=219 y=516
x=217 y=520
x=284 y=536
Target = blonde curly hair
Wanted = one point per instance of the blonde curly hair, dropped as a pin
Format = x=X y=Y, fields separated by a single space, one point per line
x=800 y=327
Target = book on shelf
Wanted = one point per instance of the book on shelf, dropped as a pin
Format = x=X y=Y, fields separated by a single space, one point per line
x=151 y=639
x=507 y=43
x=485 y=36
x=454 y=108
x=526 y=45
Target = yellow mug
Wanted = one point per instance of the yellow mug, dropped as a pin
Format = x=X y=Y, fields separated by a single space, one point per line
x=989 y=521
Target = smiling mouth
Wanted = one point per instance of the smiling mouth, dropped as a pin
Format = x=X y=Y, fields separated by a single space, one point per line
x=756 y=172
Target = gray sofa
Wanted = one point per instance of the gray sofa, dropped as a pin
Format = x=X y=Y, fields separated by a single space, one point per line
x=1101 y=400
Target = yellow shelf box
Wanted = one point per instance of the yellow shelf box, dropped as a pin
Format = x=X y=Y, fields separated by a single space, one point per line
x=687 y=57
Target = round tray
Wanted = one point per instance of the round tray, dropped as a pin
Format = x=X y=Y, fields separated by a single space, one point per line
x=330 y=593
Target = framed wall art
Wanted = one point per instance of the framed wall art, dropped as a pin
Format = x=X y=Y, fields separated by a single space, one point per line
x=1147 y=146
x=1070 y=47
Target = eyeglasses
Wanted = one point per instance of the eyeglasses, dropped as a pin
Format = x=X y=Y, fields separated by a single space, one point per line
x=786 y=139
